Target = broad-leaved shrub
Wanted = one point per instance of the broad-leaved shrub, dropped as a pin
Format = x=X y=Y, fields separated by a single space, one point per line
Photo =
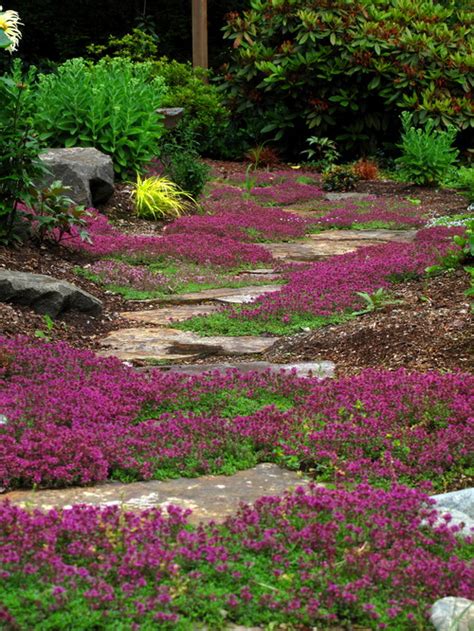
x=110 y=105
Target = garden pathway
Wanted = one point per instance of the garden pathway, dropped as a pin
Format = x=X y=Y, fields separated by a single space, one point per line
x=151 y=337
x=210 y=497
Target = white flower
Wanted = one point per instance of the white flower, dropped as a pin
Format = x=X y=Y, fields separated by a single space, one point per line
x=9 y=23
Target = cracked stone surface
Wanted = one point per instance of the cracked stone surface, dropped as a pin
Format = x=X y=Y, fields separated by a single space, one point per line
x=210 y=497
x=167 y=315
x=160 y=343
x=338 y=197
x=237 y=295
x=319 y=370
x=334 y=242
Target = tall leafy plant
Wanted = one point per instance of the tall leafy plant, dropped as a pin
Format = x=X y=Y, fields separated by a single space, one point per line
x=19 y=149
x=110 y=105
x=427 y=153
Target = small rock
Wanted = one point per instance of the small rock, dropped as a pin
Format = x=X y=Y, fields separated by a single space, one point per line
x=462 y=500
x=453 y=614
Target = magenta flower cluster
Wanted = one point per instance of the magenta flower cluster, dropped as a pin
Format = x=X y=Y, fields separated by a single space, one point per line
x=330 y=286
x=197 y=248
x=241 y=220
x=74 y=418
x=113 y=272
x=314 y=557
x=287 y=192
x=379 y=211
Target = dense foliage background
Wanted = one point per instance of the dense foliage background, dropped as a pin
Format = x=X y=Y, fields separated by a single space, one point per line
x=347 y=68
x=59 y=29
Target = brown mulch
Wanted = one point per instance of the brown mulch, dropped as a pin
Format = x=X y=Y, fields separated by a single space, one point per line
x=432 y=328
x=78 y=329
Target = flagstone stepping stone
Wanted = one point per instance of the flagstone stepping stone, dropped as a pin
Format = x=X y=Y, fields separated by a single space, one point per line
x=238 y=295
x=167 y=315
x=210 y=497
x=380 y=234
x=340 y=196
x=313 y=250
x=334 y=242
x=319 y=370
x=161 y=344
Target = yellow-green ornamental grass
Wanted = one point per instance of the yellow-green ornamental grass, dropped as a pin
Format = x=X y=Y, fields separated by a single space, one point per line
x=159 y=197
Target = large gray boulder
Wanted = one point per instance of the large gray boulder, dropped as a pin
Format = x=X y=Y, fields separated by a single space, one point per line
x=45 y=294
x=88 y=172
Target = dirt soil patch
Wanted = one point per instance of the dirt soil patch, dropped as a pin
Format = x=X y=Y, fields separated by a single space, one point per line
x=432 y=328
x=78 y=329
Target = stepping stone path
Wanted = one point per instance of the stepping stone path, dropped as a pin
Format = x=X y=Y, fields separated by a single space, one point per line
x=318 y=370
x=157 y=342
x=163 y=344
x=210 y=497
x=238 y=295
x=334 y=242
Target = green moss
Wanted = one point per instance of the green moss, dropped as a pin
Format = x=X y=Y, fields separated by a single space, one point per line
x=222 y=324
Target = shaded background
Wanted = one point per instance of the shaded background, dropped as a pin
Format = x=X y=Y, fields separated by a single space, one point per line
x=60 y=29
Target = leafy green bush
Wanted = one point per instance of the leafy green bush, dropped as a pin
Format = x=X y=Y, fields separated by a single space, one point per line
x=463 y=178
x=205 y=117
x=347 y=68
x=109 y=105
x=183 y=165
x=339 y=177
x=427 y=153
x=19 y=150
x=136 y=46
x=54 y=215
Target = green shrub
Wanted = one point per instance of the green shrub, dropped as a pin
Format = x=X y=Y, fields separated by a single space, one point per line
x=463 y=179
x=427 y=153
x=109 y=105
x=183 y=165
x=205 y=117
x=347 y=68
x=19 y=150
x=339 y=177
x=135 y=46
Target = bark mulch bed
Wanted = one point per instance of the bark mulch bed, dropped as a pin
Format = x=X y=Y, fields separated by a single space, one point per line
x=432 y=328
x=76 y=328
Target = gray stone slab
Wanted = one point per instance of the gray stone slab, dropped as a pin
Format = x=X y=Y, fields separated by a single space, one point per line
x=462 y=500
x=45 y=294
x=222 y=295
x=453 y=614
x=210 y=497
x=457 y=518
x=341 y=196
x=334 y=242
x=161 y=344
x=380 y=234
x=167 y=315
x=319 y=370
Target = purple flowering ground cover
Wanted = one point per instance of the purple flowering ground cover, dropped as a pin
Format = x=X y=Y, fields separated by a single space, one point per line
x=314 y=557
x=367 y=550
x=328 y=289
x=73 y=418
